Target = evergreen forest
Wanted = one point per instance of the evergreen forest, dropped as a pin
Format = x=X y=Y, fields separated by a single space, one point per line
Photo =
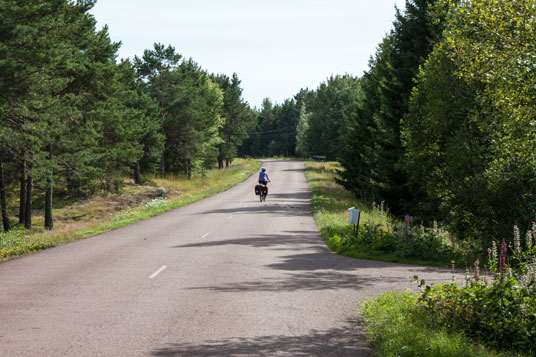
x=75 y=121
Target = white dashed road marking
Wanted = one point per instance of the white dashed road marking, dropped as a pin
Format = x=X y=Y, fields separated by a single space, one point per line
x=158 y=271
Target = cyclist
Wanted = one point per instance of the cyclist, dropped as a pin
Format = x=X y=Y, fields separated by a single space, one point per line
x=263 y=177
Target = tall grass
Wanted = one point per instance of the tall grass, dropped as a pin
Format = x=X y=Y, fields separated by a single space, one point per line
x=101 y=214
x=330 y=201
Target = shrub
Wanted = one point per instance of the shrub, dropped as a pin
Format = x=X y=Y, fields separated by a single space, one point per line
x=406 y=245
x=502 y=313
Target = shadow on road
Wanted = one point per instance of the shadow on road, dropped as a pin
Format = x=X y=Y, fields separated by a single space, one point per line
x=316 y=268
x=346 y=341
x=293 y=170
x=296 y=208
x=304 y=195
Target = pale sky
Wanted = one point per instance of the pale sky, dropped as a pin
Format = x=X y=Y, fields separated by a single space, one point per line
x=276 y=47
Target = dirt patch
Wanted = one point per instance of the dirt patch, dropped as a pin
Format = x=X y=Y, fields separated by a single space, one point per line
x=99 y=207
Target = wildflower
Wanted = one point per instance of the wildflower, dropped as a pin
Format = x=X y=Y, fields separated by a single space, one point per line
x=528 y=238
x=517 y=240
x=494 y=254
x=504 y=249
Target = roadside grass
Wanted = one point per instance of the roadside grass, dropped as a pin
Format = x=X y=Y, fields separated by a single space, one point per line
x=330 y=201
x=100 y=214
x=329 y=206
x=396 y=326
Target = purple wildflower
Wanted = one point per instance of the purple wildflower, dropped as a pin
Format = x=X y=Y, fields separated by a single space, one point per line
x=504 y=249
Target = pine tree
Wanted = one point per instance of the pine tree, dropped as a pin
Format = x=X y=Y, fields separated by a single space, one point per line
x=238 y=119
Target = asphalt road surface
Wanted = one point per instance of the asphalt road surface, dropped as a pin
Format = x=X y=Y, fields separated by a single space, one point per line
x=227 y=276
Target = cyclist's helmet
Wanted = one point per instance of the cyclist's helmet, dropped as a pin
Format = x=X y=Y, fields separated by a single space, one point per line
x=263 y=169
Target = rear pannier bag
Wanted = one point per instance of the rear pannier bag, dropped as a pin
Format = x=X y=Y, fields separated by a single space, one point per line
x=258 y=189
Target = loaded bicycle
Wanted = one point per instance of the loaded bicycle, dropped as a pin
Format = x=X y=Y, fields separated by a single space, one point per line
x=261 y=189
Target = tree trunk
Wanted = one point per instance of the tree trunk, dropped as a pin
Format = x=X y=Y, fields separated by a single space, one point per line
x=227 y=163
x=162 y=164
x=5 y=216
x=49 y=223
x=28 y=216
x=137 y=174
x=220 y=163
x=22 y=199
x=189 y=168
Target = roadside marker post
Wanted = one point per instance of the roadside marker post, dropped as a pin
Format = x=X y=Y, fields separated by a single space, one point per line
x=353 y=219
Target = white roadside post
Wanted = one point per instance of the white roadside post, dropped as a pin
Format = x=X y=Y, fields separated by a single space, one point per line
x=353 y=219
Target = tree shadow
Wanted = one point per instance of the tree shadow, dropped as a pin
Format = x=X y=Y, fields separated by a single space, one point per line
x=293 y=170
x=347 y=341
x=301 y=195
x=316 y=268
x=295 y=208
x=293 y=238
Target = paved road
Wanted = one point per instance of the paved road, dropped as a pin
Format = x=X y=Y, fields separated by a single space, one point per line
x=225 y=276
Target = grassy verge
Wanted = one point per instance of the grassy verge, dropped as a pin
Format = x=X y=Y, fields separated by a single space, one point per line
x=398 y=327
x=381 y=237
x=101 y=214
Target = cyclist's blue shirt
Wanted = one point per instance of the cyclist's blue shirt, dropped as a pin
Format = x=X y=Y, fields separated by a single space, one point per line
x=262 y=176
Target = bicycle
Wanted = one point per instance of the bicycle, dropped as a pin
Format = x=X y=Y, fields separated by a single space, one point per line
x=261 y=190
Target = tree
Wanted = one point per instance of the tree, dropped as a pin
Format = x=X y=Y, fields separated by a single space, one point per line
x=155 y=69
x=330 y=109
x=34 y=80
x=63 y=110
x=3 y=203
x=302 y=144
x=470 y=131
x=238 y=119
x=373 y=152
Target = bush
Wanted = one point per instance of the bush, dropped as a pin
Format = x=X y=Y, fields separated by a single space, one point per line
x=396 y=326
x=502 y=313
x=405 y=245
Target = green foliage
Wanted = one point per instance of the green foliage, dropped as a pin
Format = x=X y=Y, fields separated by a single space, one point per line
x=328 y=112
x=274 y=133
x=373 y=151
x=469 y=132
x=238 y=118
x=15 y=243
x=190 y=107
x=79 y=122
x=397 y=326
x=401 y=246
x=501 y=314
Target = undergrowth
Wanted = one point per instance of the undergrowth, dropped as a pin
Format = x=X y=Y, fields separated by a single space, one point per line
x=476 y=318
x=397 y=326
